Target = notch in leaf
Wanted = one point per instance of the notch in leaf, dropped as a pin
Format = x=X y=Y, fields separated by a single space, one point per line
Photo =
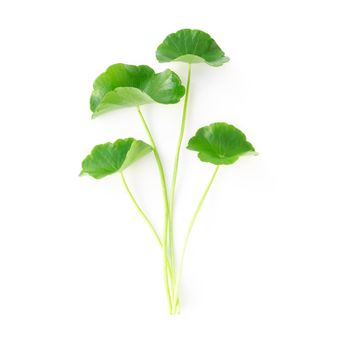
x=191 y=46
x=109 y=158
x=123 y=85
x=220 y=144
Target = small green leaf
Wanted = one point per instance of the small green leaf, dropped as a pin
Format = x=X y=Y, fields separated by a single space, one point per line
x=191 y=46
x=220 y=143
x=123 y=85
x=109 y=158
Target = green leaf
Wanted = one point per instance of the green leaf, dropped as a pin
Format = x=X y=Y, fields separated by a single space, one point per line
x=191 y=46
x=109 y=158
x=220 y=143
x=123 y=85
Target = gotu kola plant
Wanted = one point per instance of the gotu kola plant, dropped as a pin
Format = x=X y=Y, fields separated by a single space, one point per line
x=124 y=86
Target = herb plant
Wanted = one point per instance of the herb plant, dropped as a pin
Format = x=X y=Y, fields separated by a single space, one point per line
x=123 y=86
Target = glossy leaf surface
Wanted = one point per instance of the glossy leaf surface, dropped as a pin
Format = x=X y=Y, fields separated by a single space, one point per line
x=220 y=143
x=123 y=85
x=109 y=158
x=191 y=46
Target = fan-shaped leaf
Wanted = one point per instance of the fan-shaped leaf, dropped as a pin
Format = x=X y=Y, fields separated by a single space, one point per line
x=123 y=85
x=220 y=143
x=191 y=46
x=109 y=158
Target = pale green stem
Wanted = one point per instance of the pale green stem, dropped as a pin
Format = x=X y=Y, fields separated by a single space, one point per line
x=141 y=212
x=186 y=239
x=166 y=215
x=147 y=220
x=176 y=162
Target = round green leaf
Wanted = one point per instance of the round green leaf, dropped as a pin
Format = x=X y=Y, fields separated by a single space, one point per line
x=220 y=143
x=123 y=85
x=109 y=158
x=191 y=46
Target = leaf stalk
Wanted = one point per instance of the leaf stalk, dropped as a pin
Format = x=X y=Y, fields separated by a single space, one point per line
x=141 y=212
x=168 y=277
x=178 y=150
x=186 y=240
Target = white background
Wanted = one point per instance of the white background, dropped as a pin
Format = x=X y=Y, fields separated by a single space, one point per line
x=270 y=263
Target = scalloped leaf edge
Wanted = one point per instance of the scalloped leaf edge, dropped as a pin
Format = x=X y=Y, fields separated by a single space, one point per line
x=137 y=149
x=204 y=157
x=190 y=57
x=124 y=95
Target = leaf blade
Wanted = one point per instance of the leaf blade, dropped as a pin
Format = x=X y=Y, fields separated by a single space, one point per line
x=191 y=46
x=109 y=158
x=220 y=144
x=123 y=85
